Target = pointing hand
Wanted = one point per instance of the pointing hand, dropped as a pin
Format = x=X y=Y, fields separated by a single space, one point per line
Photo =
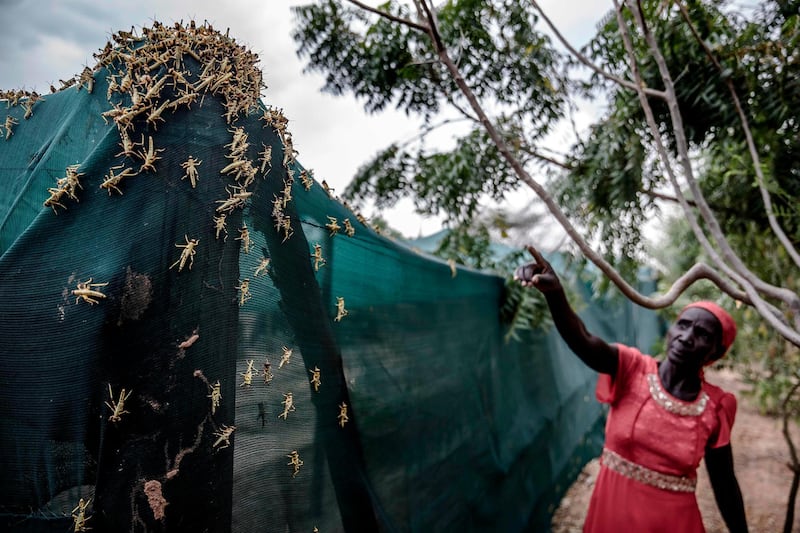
x=538 y=274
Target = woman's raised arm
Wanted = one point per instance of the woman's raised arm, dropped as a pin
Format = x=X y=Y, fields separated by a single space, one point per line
x=594 y=351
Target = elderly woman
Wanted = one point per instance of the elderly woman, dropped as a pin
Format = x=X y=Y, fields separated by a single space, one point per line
x=664 y=418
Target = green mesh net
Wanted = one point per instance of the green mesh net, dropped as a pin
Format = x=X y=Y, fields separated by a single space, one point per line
x=196 y=336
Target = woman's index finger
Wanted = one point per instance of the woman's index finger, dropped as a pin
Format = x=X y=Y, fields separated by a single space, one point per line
x=536 y=255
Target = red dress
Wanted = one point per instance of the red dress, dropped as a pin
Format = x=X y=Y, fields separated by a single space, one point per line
x=654 y=444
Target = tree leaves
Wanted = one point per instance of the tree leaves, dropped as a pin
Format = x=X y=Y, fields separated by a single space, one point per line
x=379 y=61
x=613 y=172
x=449 y=183
x=384 y=62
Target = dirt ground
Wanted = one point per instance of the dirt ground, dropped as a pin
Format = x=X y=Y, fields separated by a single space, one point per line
x=760 y=456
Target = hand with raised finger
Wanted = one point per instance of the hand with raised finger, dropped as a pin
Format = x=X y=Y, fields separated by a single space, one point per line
x=538 y=274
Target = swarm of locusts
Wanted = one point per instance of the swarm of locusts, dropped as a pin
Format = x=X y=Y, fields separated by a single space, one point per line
x=169 y=68
x=164 y=70
x=151 y=72
x=159 y=72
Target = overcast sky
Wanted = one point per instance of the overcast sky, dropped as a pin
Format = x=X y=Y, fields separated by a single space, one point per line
x=43 y=41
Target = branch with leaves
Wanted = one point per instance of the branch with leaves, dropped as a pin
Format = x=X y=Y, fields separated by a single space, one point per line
x=726 y=270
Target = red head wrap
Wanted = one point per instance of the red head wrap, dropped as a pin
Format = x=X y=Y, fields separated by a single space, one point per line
x=725 y=320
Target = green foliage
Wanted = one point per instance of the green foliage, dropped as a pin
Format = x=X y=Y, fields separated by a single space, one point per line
x=700 y=88
x=766 y=57
x=759 y=58
x=767 y=362
x=606 y=188
x=495 y=43
x=378 y=61
x=384 y=179
x=522 y=309
x=502 y=57
x=443 y=183
x=677 y=251
x=517 y=74
x=380 y=225
x=469 y=245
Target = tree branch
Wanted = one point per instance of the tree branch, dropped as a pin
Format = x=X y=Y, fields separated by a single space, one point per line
x=740 y=275
x=699 y=271
x=460 y=109
x=433 y=25
x=587 y=62
x=426 y=130
x=389 y=16
x=673 y=199
x=546 y=158
x=666 y=197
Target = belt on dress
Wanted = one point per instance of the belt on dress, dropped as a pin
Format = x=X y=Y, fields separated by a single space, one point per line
x=620 y=465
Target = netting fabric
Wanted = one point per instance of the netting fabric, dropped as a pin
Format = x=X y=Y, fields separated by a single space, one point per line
x=196 y=336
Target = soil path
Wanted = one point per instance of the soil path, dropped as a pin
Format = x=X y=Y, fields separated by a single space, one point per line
x=760 y=456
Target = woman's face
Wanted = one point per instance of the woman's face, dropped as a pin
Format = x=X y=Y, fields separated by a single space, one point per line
x=694 y=338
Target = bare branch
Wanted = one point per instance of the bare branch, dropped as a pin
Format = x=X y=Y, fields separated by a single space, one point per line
x=546 y=158
x=751 y=146
x=426 y=130
x=389 y=16
x=461 y=110
x=697 y=272
x=666 y=197
x=433 y=25
x=588 y=62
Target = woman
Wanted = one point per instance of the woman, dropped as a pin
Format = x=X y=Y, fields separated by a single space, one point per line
x=664 y=418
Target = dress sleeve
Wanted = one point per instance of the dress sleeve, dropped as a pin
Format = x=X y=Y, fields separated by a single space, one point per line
x=726 y=414
x=608 y=388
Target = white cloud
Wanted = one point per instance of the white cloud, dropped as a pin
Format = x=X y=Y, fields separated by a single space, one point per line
x=575 y=20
